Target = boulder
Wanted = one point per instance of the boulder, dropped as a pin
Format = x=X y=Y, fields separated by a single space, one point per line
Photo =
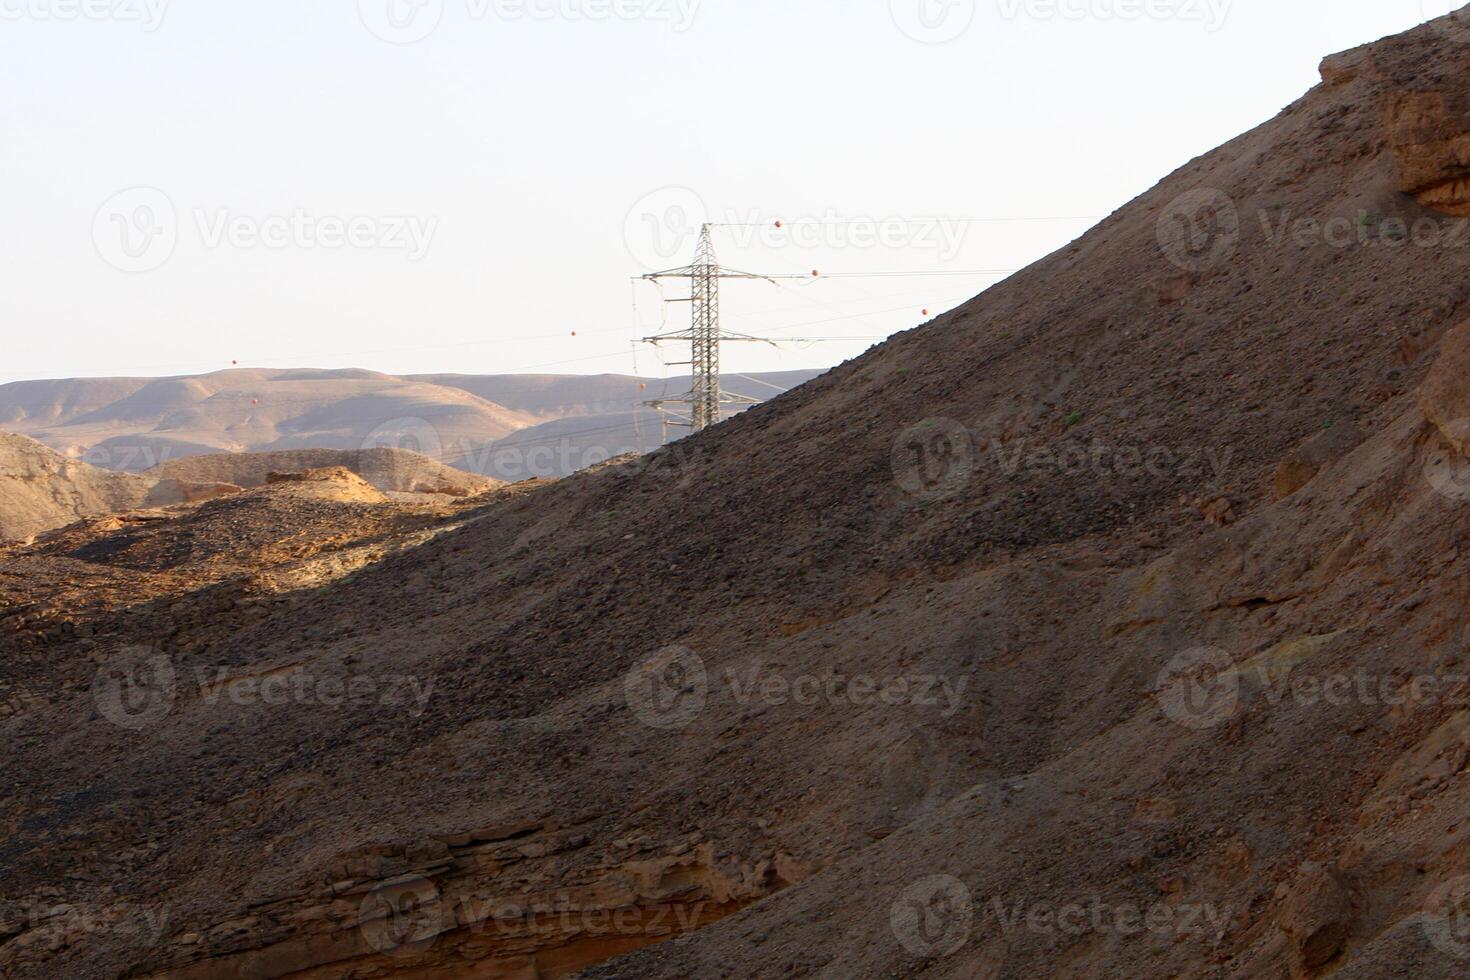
x=1316 y=916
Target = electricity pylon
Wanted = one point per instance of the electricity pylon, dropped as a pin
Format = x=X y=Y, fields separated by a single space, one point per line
x=706 y=398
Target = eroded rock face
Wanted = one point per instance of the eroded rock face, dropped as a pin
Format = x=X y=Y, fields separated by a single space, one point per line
x=1445 y=394
x=515 y=905
x=1430 y=135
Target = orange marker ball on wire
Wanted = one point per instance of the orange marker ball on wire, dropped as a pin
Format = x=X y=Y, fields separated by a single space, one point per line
x=778 y=224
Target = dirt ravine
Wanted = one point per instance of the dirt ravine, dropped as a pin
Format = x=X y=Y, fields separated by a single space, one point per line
x=1112 y=625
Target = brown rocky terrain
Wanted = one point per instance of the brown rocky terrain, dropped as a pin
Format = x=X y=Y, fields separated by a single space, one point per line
x=40 y=489
x=1112 y=625
x=44 y=490
x=389 y=470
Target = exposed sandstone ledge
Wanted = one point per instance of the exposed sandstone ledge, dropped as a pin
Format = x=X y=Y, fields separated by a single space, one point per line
x=1452 y=197
x=1343 y=67
x=509 y=908
x=1430 y=135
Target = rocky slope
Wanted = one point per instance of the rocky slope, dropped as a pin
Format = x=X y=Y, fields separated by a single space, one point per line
x=389 y=470
x=41 y=490
x=1112 y=625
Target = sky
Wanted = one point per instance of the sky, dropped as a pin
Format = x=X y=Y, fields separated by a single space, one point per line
x=474 y=186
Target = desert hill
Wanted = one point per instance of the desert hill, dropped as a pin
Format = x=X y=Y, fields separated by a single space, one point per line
x=44 y=490
x=1111 y=625
x=389 y=470
x=136 y=424
x=246 y=410
x=206 y=569
x=40 y=489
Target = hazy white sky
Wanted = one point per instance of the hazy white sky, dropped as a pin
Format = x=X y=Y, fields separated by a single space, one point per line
x=458 y=185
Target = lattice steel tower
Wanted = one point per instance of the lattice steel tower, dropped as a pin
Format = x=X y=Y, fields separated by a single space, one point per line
x=705 y=398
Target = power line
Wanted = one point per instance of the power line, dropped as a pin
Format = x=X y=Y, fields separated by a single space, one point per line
x=927 y=273
x=760 y=382
x=849 y=222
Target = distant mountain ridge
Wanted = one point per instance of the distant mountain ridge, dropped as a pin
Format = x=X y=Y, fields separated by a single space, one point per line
x=507 y=427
